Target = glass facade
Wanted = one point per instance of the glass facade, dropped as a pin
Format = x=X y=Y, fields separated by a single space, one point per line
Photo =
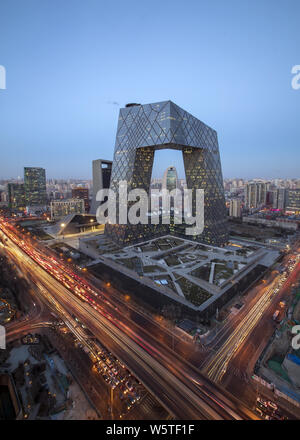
x=35 y=186
x=142 y=129
x=101 y=179
x=82 y=193
x=170 y=180
x=16 y=196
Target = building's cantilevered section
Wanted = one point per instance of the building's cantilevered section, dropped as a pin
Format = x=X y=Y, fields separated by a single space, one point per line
x=142 y=129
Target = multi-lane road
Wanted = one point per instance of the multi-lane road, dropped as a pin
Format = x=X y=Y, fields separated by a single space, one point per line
x=217 y=366
x=258 y=309
x=241 y=340
x=177 y=384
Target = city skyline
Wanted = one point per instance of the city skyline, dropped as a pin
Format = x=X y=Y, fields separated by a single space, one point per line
x=59 y=110
x=149 y=213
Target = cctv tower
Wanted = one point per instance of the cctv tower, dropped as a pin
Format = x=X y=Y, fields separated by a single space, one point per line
x=143 y=129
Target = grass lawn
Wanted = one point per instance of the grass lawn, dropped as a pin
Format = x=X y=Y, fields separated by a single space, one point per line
x=192 y=292
x=171 y=260
x=149 y=269
x=202 y=272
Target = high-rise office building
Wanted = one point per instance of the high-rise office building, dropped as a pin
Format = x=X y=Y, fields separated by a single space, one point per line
x=255 y=194
x=170 y=179
x=16 y=196
x=292 y=202
x=101 y=179
x=82 y=193
x=142 y=129
x=170 y=183
x=279 y=196
x=3 y=197
x=235 y=208
x=35 y=186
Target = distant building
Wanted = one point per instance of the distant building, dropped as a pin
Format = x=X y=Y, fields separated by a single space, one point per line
x=156 y=183
x=255 y=194
x=36 y=210
x=278 y=223
x=82 y=193
x=101 y=179
x=170 y=182
x=170 y=179
x=3 y=197
x=269 y=198
x=279 y=196
x=235 y=208
x=16 y=196
x=35 y=186
x=292 y=202
x=61 y=208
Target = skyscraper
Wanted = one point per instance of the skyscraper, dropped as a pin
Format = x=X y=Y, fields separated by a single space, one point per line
x=82 y=193
x=279 y=196
x=292 y=200
x=170 y=179
x=101 y=179
x=35 y=186
x=255 y=194
x=16 y=196
x=142 y=129
x=235 y=208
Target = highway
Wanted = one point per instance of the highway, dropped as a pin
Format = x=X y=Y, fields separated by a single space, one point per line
x=229 y=344
x=179 y=387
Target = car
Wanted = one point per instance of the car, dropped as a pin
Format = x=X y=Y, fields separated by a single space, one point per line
x=129 y=386
x=259 y=411
x=272 y=405
x=262 y=402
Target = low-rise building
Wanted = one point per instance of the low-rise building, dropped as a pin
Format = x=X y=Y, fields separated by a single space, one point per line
x=61 y=208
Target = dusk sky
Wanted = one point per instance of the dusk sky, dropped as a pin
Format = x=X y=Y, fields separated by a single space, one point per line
x=72 y=64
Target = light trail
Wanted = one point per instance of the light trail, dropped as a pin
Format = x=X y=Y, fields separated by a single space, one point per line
x=164 y=374
x=217 y=366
